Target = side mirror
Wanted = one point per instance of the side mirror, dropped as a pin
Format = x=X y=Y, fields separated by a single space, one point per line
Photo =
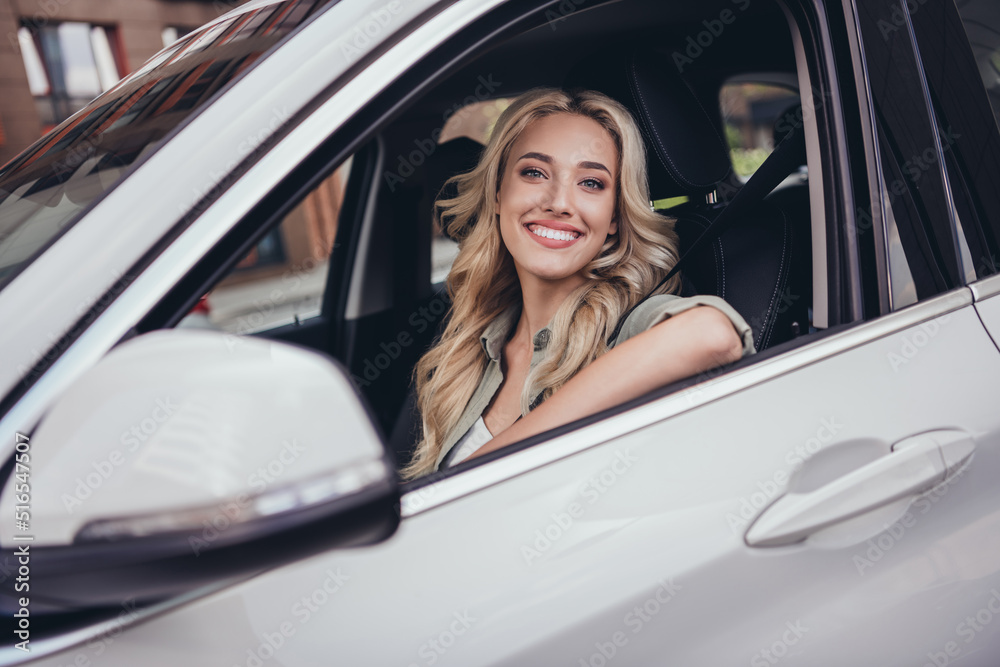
x=186 y=457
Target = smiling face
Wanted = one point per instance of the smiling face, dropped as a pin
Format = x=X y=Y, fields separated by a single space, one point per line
x=557 y=197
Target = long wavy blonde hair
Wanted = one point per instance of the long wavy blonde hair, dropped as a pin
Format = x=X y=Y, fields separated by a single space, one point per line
x=483 y=282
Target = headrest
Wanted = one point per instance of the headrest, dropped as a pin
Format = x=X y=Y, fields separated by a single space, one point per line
x=687 y=155
x=451 y=158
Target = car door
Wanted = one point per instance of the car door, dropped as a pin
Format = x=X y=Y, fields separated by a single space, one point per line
x=831 y=497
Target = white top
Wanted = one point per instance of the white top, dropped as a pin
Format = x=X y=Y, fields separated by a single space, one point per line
x=477 y=436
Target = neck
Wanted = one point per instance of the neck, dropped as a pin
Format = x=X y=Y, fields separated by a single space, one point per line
x=540 y=300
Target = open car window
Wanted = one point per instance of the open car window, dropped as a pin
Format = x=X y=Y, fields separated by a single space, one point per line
x=386 y=338
x=281 y=281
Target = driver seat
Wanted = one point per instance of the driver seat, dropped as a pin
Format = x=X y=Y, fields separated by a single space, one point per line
x=759 y=263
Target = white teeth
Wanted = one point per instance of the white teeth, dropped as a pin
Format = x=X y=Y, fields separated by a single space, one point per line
x=545 y=232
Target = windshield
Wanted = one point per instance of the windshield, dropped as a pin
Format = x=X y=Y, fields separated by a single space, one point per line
x=44 y=189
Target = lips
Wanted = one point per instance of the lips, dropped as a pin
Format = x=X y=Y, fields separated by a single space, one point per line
x=553 y=224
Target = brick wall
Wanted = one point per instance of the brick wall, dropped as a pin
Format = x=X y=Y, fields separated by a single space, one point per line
x=139 y=24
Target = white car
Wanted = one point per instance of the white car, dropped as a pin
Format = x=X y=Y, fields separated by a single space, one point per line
x=230 y=497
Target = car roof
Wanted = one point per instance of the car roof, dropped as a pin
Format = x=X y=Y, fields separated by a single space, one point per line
x=589 y=31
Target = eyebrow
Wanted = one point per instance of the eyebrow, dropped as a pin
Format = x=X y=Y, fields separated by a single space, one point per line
x=542 y=157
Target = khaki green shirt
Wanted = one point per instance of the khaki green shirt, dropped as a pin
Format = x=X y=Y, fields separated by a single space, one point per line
x=650 y=312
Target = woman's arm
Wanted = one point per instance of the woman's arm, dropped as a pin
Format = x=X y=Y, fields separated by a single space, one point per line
x=681 y=346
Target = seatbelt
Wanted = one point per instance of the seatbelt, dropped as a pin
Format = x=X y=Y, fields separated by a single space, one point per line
x=787 y=155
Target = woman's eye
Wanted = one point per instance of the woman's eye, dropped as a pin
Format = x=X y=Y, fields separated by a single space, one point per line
x=532 y=172
x=593 y=184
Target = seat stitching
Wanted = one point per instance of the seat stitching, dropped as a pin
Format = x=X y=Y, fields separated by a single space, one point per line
x=722 y=270
x=716 y=249
x=781 y=271
x=720 y=264
x=636 y=93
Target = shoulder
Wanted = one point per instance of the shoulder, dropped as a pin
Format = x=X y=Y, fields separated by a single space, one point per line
x=659 y=307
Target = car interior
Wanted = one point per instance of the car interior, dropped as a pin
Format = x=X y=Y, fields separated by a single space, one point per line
x=711 y=84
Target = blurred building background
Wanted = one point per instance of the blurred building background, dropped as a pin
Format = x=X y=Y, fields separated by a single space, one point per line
x=57 y=55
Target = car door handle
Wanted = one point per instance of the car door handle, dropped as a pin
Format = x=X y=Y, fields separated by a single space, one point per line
x=915 y=465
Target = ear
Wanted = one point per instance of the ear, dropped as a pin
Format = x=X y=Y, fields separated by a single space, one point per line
x=613 y=228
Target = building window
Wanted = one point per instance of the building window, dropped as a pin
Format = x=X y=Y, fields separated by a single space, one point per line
x=68 y=64
x=172 y=33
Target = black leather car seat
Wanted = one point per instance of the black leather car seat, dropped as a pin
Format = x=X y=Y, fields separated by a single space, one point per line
x=756 y=262
x=792 y=198
x=448 y=159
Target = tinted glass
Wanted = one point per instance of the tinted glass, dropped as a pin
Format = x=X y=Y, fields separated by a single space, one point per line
x=910 y=151
x=960 y=50
x=43 y=190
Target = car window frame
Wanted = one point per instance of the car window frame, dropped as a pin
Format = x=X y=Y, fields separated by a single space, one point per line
x=874 y=215
x=952 y=102
x=440 y=487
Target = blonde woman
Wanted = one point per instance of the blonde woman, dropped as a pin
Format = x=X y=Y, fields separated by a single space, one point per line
x=557 y=243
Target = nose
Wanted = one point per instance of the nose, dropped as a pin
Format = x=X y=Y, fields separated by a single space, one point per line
x=559 y=197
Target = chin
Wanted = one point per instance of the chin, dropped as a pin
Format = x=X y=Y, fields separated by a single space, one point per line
x=554 y=273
